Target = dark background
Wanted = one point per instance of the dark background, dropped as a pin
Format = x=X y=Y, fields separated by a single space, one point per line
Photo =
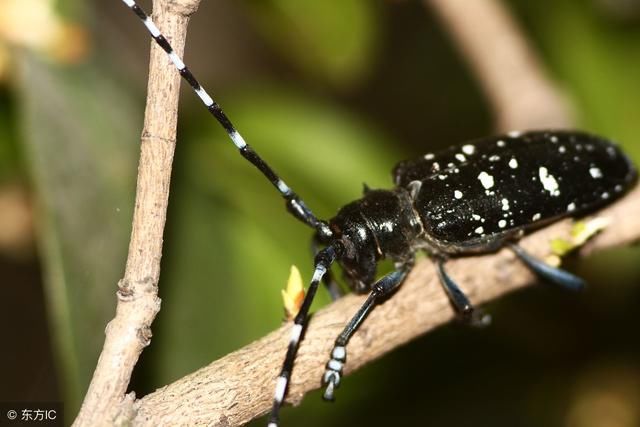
x=333 y=94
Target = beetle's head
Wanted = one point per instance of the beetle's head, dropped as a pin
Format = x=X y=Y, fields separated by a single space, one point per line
x=359 y=253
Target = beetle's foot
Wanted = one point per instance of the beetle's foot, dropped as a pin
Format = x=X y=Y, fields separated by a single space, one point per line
x=479 y=319
x=333 y=373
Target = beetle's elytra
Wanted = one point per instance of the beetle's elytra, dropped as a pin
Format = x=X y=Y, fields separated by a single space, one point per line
x=475 y=197
x=493 y=187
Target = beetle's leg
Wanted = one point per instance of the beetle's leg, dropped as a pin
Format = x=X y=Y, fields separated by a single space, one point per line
x=382 y=288
x=323 y=261
x=552 y=274
x=334 y=289
x=460 y=302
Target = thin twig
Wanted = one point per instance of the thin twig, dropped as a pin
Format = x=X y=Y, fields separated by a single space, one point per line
x=138 y=303
x=239 y=387
x=507 y=68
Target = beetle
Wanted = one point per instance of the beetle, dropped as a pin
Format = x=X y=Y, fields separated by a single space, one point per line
x=476 y=197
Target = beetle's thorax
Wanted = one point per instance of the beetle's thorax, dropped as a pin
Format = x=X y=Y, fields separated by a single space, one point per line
x=382 y=224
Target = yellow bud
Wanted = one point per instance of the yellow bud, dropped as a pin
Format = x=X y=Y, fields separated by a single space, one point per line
x=294 y=293
x=581 y=232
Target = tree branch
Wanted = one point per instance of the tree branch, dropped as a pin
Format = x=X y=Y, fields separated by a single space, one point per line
x=239 y=387
x=507 y=68
x=138 y=303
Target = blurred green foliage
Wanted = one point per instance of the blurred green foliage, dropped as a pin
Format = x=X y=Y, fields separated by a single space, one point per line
x=8 y=138
x=596 y=56
x=332 y=40
x=348 y=89
x=81 y=159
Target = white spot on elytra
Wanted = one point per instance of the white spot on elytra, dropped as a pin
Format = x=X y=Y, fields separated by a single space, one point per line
x=479 y=230
x=502 y=223
x=562 y=149
x=513 y=163
x=442 y=177
x=595 y=173
x=476 y=217
x=501 y=143
x=571 y=207
x=548 y=182
x=486 y=180
x=457 y=194
x=536 y=217
x=460 y=157
x=468 y=149
x=514 y=133
x=435 y=166
x=494 y=158
x=505 y=204
x=605 y=195
x=553 y=139
x=429 y=156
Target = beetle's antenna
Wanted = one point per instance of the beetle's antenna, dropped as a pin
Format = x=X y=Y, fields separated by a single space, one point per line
x=323 y=261
x=295 y=205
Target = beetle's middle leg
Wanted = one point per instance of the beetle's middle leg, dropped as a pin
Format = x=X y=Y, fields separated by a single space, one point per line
x=459 y=300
